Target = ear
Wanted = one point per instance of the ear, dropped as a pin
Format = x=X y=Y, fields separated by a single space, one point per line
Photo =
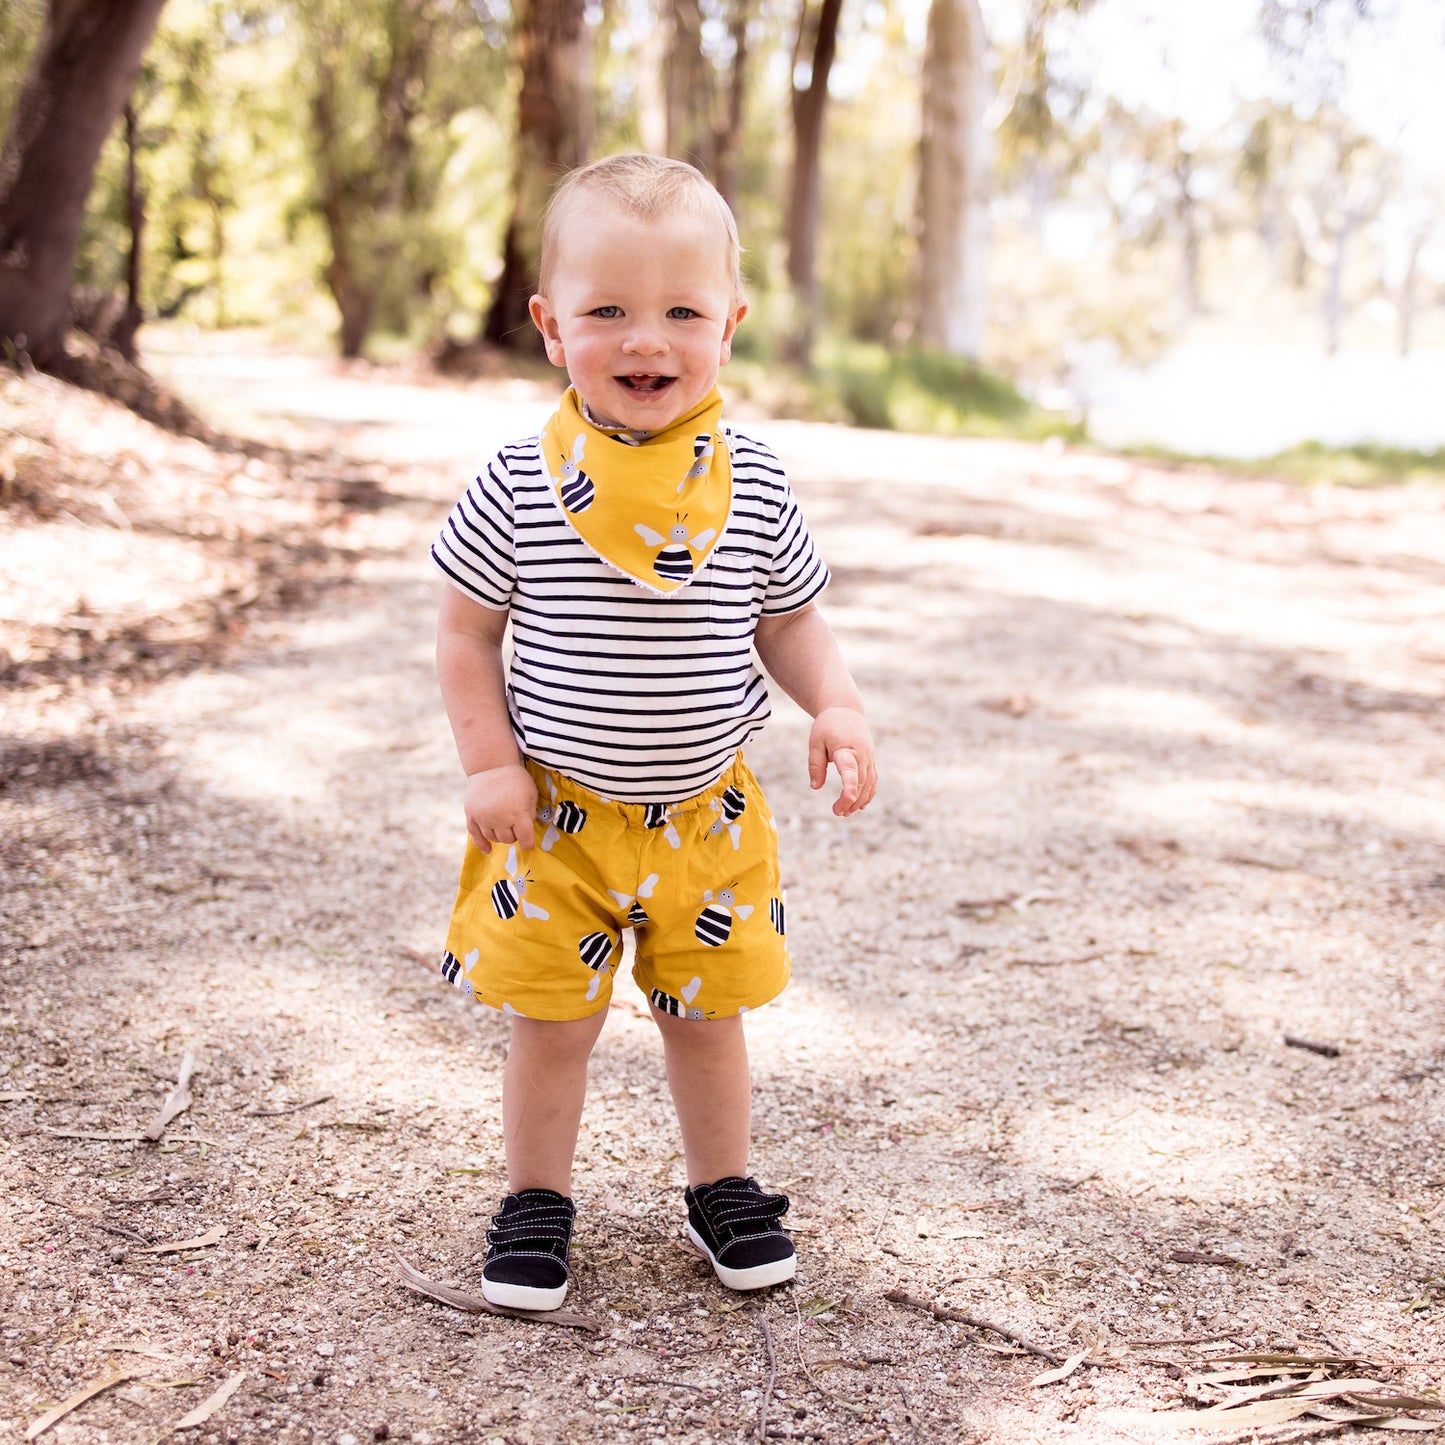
x=726 y=350
x=546 y=322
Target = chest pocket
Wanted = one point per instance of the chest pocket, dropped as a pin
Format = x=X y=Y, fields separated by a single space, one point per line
x=730 y=592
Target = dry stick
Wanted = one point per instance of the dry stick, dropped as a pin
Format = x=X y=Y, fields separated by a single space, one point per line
x=908 y=1412
x=177 y=1101
x=1186 y=1340
x=772 y=1375
x=290 y=1109
x=98 y=1223
x=1329 y=1051
x=942 y=1312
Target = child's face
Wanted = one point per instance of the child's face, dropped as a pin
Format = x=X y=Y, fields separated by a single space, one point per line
x=640 y=312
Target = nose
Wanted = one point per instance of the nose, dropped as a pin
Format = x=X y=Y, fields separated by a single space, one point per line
x=645 y=338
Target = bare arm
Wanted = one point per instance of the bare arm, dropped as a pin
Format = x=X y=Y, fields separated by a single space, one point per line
x=801 y=655
x=501 y=798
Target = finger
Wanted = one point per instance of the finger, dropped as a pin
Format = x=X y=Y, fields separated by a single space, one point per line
x=479 y=838
x=846 y=762
x=525 y=834
x=817 y=763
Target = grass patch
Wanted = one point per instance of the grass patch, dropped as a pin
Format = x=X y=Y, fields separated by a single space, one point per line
x=924 y=391
x=1363 y=465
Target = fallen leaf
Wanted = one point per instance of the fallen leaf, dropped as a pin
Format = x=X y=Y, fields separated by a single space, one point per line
x=458 y=1299
x=1052 y=1377
x=209 y=1406
x=201 y=1241
x=118 y=1374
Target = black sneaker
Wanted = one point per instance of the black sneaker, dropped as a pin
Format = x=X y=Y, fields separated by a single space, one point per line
x=736 y=1225
x=526 y=1266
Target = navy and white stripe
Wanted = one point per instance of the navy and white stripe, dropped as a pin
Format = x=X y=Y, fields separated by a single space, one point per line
x=639 y=696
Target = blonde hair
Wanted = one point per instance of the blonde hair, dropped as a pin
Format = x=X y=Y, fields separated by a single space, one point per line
x=644 y=186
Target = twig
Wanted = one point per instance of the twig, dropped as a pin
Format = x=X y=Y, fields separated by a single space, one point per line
x=1329 y=1051
x=1054 y=962
x=91 y=1219
x=772 y=1376
x=887 y=1214
x=177 y=1101
x=942 y=1312
x=1186 y=1340
x=1435 y=1213
x=908 y=1411
x=289 y=1109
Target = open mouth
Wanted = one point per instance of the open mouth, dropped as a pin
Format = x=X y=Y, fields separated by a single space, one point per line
x=646 y=382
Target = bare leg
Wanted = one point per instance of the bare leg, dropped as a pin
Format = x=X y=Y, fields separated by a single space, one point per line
x=707 y=1071
x=543 y=1089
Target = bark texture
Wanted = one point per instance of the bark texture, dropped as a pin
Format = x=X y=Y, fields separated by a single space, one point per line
x=953 y=181
x=83 y=72
x=548 y=47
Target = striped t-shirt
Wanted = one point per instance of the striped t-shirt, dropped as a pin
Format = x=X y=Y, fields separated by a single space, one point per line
x=638 y=696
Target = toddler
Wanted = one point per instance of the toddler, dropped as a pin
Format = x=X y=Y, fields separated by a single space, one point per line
x=640 y=550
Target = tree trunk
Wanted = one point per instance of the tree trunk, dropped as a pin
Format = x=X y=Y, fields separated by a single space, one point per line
x=135 y=214
x=84 y=69
x=809 y=103
x=953 y=181
x=689 y=88
x=728 y=140
x=547 y=45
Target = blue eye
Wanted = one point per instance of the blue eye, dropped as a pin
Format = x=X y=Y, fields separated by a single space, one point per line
x=607 y=313
x=681 y=313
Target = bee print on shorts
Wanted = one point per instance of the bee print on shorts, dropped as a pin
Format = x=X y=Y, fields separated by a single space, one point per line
x=674 y=562
x=558 y=818
x=777 y=916
x=679 y=1007
x=729 y=808
x=596 y=950
x=455 y=971
x=508 y=893
x=660 y=815
x=715 y=922
x=636 y=916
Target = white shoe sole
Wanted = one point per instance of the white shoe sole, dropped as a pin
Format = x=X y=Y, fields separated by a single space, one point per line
x=523 y=1296
x=758 y=1277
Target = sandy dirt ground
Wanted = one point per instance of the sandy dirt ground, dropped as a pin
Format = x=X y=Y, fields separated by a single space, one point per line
x=1110 y=1089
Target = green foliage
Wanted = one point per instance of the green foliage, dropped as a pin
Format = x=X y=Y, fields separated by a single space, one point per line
x=21 y=22
x=1366 y=465
x=921 y=391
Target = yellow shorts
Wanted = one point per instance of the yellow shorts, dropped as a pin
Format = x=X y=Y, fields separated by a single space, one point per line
x=539 y=932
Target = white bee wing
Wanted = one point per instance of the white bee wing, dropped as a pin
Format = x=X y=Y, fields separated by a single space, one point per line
x=623 y=899
x=512 y=859
x=741 y=909
x=644 y=889
x=707 y=895
x=735 y=832
x=593 y=986
x=532 y=911
x=653 y=539
x=703 y=538
x=670 y=833
x=548 y=838
x=578 y=446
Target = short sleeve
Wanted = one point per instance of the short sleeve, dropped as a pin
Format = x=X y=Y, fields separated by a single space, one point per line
x=474 y=549
x=798 y=573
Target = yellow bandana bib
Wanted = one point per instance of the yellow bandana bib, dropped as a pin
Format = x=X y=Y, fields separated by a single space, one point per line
x=653 y=505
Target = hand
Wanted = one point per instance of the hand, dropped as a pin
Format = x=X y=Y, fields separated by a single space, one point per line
x=840 y=736
x=501 y=807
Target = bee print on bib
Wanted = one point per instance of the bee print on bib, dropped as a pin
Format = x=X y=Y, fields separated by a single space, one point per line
x=674 y=562
x=508 y=894
x=574 y=486
x=702 y=450
x=715 y=923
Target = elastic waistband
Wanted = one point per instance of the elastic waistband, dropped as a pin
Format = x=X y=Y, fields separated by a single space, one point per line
x=554 y=786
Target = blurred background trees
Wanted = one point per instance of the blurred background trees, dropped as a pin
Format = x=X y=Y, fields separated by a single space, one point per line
x=956 y=178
